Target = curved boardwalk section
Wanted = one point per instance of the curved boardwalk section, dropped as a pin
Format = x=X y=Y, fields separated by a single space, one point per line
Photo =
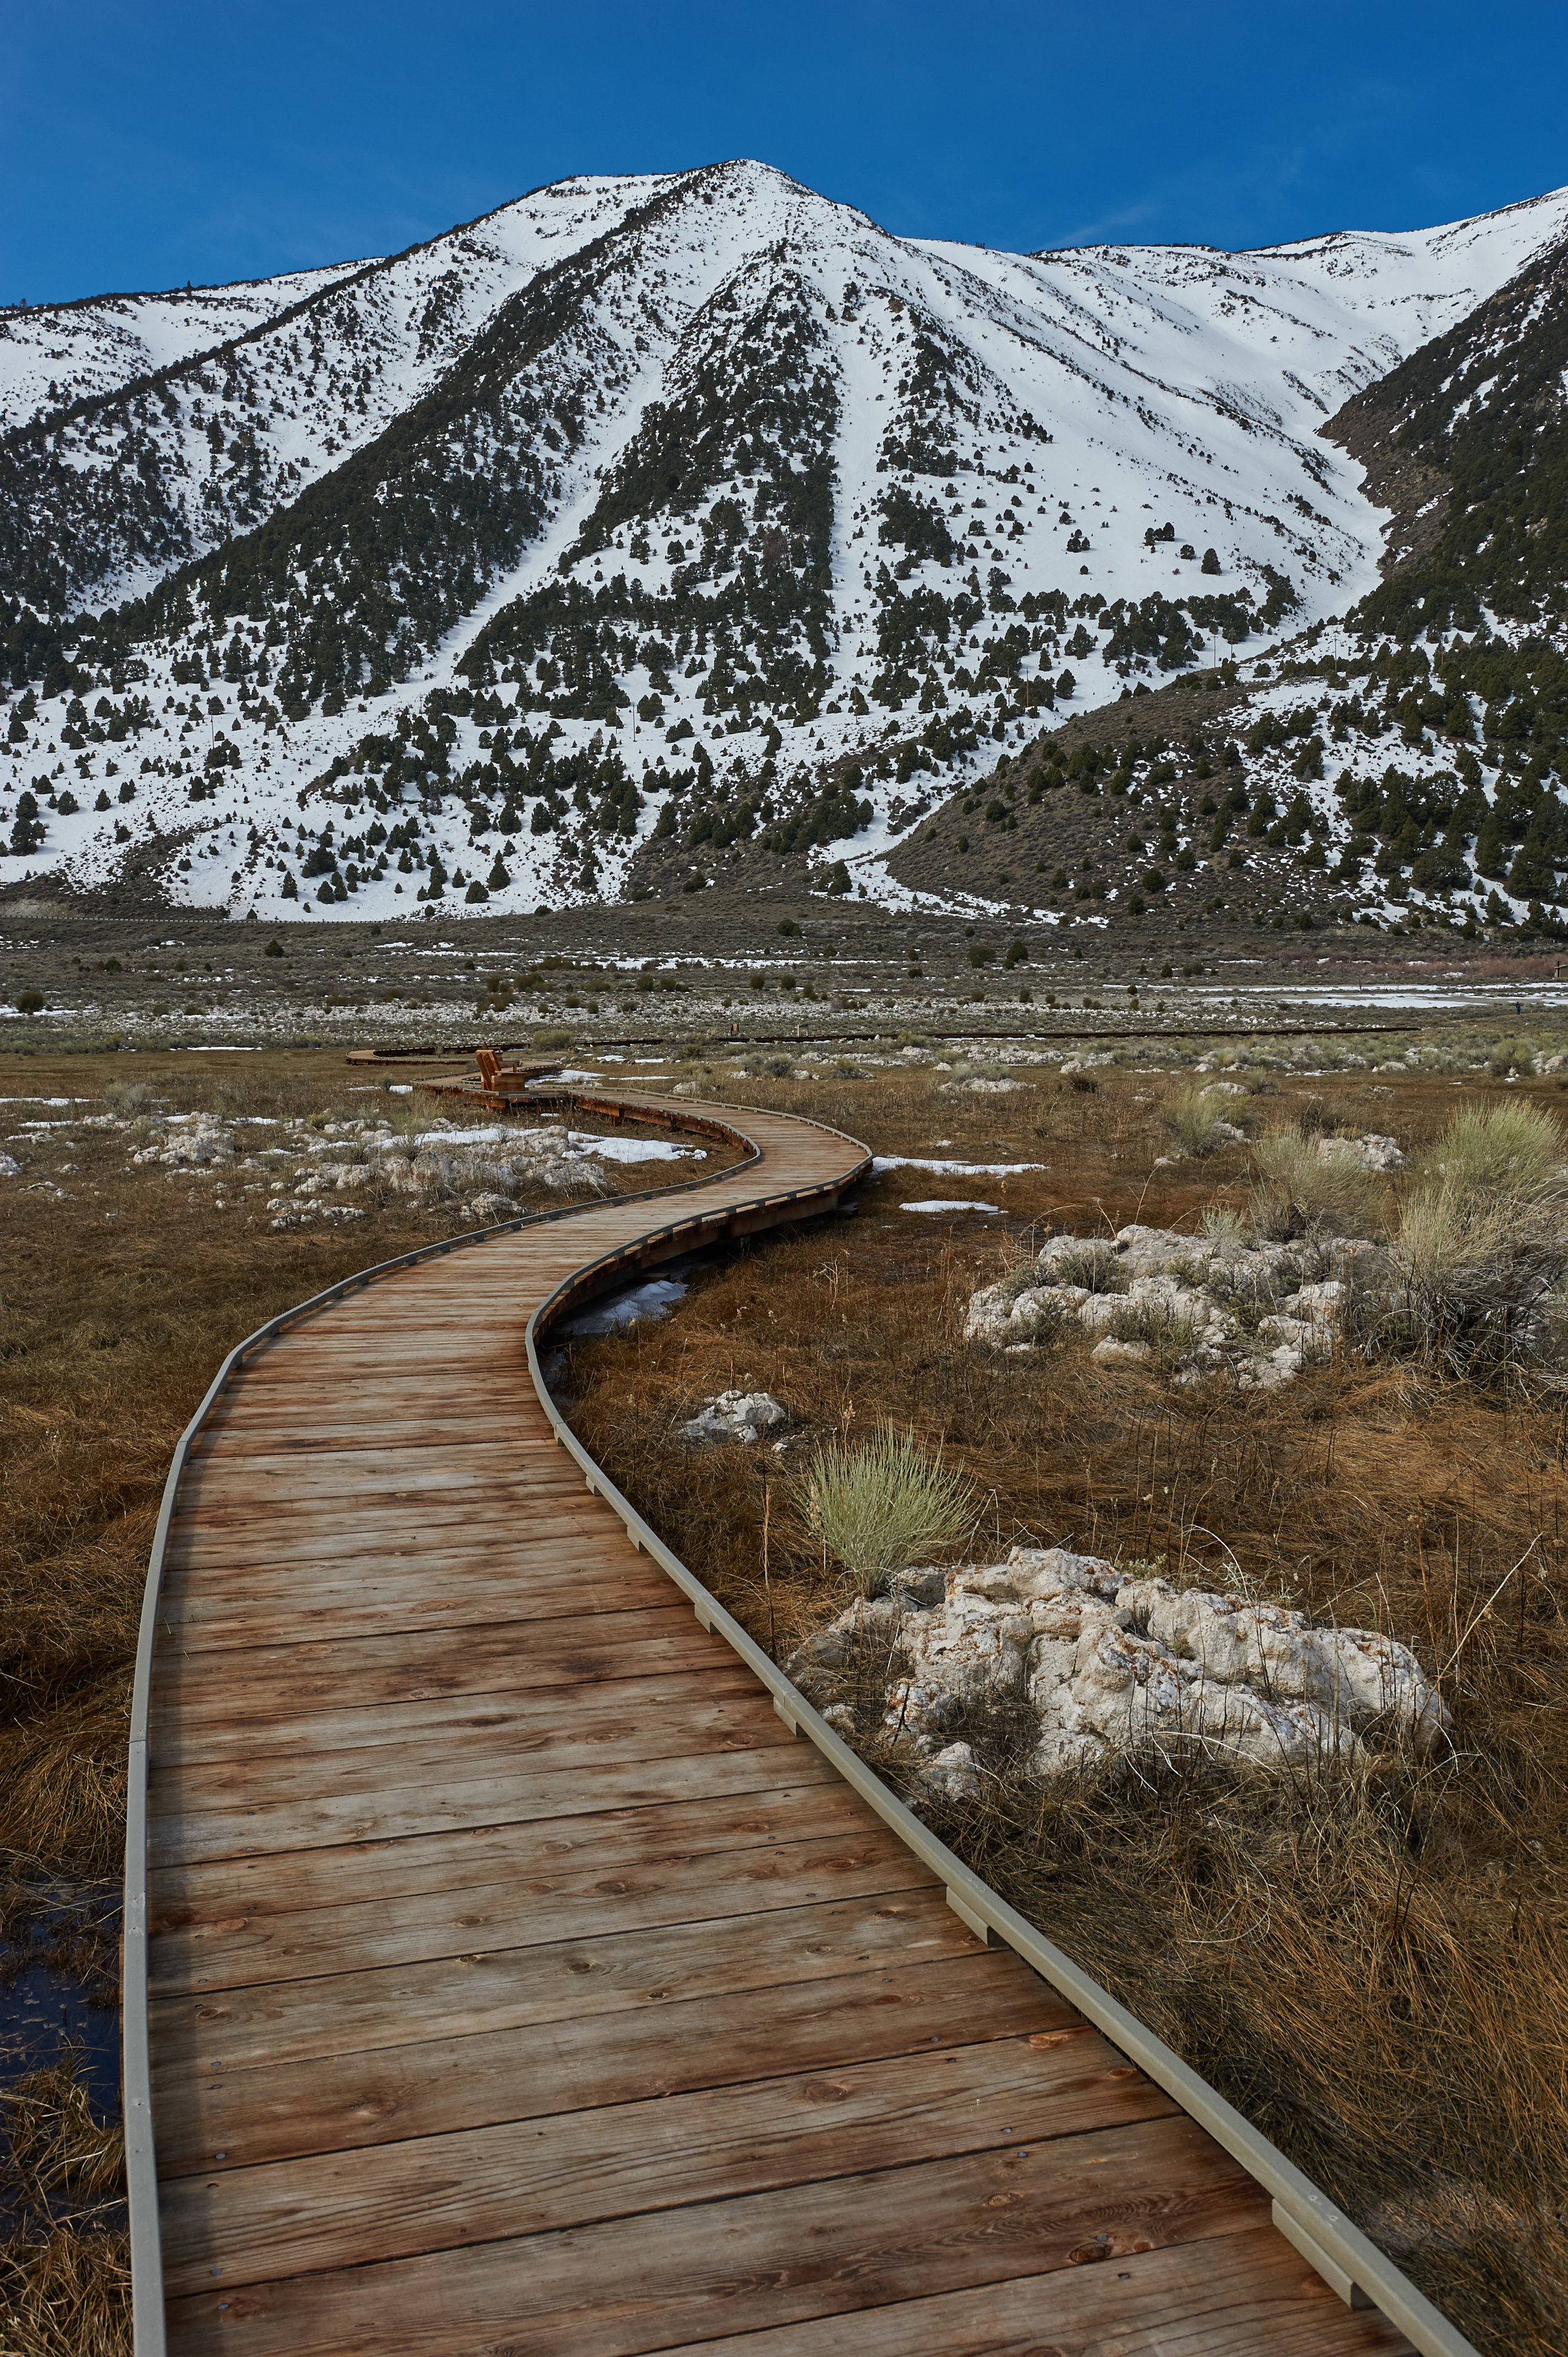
x=520 y=1983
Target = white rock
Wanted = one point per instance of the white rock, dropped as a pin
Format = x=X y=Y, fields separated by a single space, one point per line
x=953 y=1771
x=1145 y=1251
x=187 y=1145
x=1108 y=1663
x=491 y=1207
x=1005 y=1319
x=1108 y=1351
x=1370 y=1153
x=1361 y=1266
x=1196 y=1281
x=1077 y=1250
x=1299 y=1332
x=1170 y=1295
x=734 y=1415
x=8 y=1168
x=1321 y=1303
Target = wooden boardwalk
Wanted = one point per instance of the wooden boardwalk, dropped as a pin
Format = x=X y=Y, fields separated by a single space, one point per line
x=520 y=1983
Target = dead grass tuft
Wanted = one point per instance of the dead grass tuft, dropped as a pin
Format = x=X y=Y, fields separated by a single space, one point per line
x=65 y=2294
x=58 y=2151
x=1311 y=1183
x=65 y=2276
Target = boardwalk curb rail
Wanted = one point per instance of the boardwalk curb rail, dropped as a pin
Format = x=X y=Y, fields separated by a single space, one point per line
x=1319 y=2231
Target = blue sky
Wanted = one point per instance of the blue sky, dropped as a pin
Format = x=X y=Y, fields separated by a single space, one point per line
x=141 y=146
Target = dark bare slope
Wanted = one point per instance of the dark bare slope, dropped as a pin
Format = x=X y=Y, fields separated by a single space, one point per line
x=1468 y=441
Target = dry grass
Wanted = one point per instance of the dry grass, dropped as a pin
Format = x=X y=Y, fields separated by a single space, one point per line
x=1481 y=1246
x=1370 y=1966
x=120 y=1294
x=59 y=2152
x=1372 y=1970
x=1309 y=1181
x=64 y=2293
x=64 y=2268
x=1194 y=1119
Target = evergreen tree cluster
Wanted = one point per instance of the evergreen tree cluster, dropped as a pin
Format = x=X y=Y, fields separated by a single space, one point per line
x=741 y=471
x=366 y=570
x=1483 y=408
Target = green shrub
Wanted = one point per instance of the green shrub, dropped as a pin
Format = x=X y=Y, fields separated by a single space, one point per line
x=1095 y=1267
x=1192 y=1120
x=1482 y=1243
x=1511 y=1055
x=881 y=1503
x=1510 y=1148
x=1305 y=1188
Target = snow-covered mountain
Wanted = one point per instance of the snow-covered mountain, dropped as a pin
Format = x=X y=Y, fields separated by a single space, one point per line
x=54 y=355
x=686 y=509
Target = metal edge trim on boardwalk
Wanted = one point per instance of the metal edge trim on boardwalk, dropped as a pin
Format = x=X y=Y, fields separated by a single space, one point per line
x=1346 y=2260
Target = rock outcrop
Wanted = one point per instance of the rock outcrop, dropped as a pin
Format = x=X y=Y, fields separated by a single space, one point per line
x=482 y=1172
x=1206 y=1303
x=1108 y=1662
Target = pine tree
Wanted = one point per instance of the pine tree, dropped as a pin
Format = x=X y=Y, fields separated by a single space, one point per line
x=1492 y=847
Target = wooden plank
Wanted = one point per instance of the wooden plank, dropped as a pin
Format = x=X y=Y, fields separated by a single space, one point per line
x=641 y=2282
x=337 y=1346
x=384 y=1516
x=1248 y=2297
x=490 y=1800
x=399 y=1927
x=445 y=1457
x=515 y=1988
x=187 y=1896
x=286 y=1550
x=535 y=2175
x=289 y=1484
x=720 y=1707
x=332 y=2103
x=575 y=1586
x=448 y=1534
x=498 y=1657
x=401 y=1421
x=343 y=1614
x=562 y=1572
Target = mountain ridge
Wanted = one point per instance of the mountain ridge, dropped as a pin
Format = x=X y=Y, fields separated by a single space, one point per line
x=578 y=546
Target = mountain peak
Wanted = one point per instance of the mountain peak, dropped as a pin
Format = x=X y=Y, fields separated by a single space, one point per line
x=687 y=509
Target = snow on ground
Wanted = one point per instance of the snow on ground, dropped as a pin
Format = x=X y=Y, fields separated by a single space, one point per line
x=952 y=1170
x=54 y=352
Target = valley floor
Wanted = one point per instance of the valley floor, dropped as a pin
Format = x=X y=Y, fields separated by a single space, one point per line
x=1372 y=1969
